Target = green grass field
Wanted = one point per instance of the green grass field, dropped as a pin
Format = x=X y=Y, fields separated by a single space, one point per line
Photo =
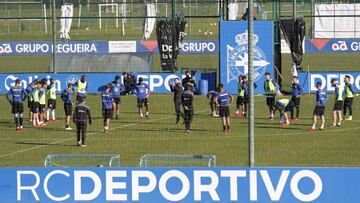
x=132 y=137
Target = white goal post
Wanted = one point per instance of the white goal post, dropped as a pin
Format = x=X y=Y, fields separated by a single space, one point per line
x=119 y=11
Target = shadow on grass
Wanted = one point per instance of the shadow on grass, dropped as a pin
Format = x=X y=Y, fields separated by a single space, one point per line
x=46 y=144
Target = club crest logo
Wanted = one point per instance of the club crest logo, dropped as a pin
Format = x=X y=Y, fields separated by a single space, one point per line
x=72 y=79
x=237 y=58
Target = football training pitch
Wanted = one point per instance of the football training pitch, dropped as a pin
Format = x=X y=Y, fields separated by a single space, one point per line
x=132 y=137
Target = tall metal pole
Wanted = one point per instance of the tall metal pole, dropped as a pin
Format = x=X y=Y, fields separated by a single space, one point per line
x=173 y=31
x=251 y=139
x=53 y=34
x=294 y=9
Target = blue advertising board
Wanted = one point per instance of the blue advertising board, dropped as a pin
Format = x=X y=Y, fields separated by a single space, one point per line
x=310 y=79
x=149 y=185
x=158 y=82
x=234 y=53
x=332 y=46
x=103 y=47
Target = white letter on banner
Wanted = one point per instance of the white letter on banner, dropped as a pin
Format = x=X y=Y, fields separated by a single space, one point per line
x=357 y=82
x=154 y=84
x=318 y=185
x=167 y=79
x=78 y=195
x=275 y=193
x=32 y=188
x=136 y=188
x=233 y=175
x=111 y=185
x=184 y=182
x=253 y=185
x=46 y=188
x=210 y=188
x=313 y=78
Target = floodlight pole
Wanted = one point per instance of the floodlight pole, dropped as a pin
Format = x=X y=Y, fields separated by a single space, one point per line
x=53 y=35
x=294 y=10
x=251 y=139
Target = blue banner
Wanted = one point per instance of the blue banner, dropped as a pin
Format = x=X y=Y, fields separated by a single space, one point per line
x=332 y=46
x=149 y=185
x=103 y=47
x=309 y=80
x=158 y=82
x=234 y=53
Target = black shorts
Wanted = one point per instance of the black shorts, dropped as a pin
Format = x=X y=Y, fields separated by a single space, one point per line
x=68 y=109
x=30 y=103
x=42 y=108
x=295 y=101
x=142 y=102
x=319 y=111
x=17 y=108
x=246 y=99
x=338 y=106
x=348 y=101
x=288 y=107
x=117 y=100
x=107 y=113
x=224 y=111
x=52 y=104
x=270 y=100
x=239 y=101
x=35 y=107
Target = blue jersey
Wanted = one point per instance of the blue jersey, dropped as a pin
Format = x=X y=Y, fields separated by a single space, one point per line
x=223 y=99
x=296 y=89
x=18 y=95
x=245 y=87
x=141 y=90
x=213 y=94
x=107 y=100
x=116 y=89
x=321 y=98
x=67 y=95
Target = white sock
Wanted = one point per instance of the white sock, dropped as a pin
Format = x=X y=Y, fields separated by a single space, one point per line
x=34 y=122
x=106 y=127
x=48 y=114
x=314 y=126
x=237 y=112
x=53 y=114
x=147 y=113
x=322 y=126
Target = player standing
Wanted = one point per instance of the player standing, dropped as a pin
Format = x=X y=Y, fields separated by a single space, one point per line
x=51 y=97
x=240 y=97
x=295 y=99
x=349 y=96
x=338 y=105
x=107 y=106
x=35 y=105
x=270 y=93
x=42 y=102
x=284 y=106
x=321 y=99
x=66 y=96
x=81 y=89
x=177 y=88
x=18 y=97
x=245 y=86
x=30 y=100
x=142 y=91
x=213 y=107
x=187 y=99
x=223 y=101
x=81 y=117
x=116 y=88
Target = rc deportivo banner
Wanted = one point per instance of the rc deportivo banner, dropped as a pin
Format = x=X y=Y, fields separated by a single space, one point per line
x=149 y=185
x=234 y=49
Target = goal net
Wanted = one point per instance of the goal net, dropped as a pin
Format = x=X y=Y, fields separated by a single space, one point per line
x=163 y=160
x=82 y=160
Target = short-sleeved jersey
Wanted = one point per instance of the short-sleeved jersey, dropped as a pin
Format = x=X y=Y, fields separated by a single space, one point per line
x=223 y=99
x=213 y=94
x=18 y=95
x=187 y=99
x=141 y=90
x=321 y=98
x=107 y=100
x=67 y=95
x=116 y=89
x=296 y=89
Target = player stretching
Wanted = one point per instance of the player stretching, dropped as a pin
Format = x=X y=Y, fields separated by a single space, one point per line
x=295 y=99
x=142 y=91
x=223 y=101
x=81 y=89
x=338 y=105
x=107 y=105
x=116 y=88
x=66 y=96
x=42 y=102
x=270 y=93
x=81 y=117
x=284 y=106
x=51 y=96
x=321 y=99
x=30 y=100
x=213 y=107
x=187 y=99
x=35 y=104
x=349 y=96
x=18 y=97
x=177 y=88
x=240 y=98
